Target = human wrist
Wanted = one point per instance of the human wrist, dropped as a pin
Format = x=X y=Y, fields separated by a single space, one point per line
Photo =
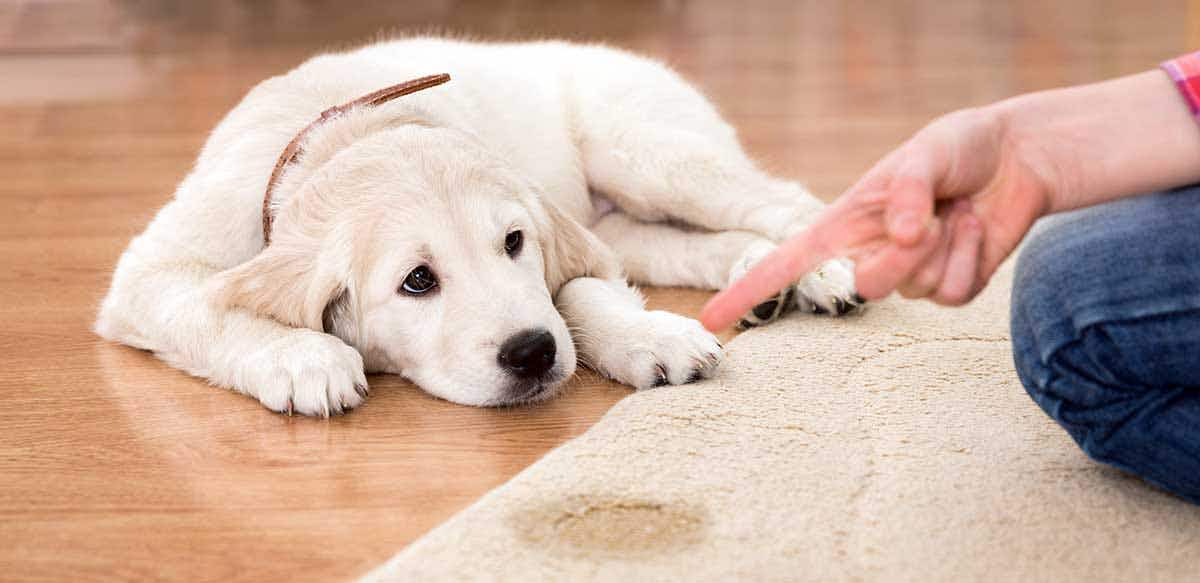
x=1095 y=143
x=1030 y=154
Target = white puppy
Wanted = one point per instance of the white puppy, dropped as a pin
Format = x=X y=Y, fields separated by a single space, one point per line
x=471 y=236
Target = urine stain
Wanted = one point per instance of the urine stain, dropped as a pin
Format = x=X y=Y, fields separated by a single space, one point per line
x=611 y=526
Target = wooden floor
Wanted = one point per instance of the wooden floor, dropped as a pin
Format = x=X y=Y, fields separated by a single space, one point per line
x=115 y=467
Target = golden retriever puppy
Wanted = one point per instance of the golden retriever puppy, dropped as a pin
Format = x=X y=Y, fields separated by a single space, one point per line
x=473 y=236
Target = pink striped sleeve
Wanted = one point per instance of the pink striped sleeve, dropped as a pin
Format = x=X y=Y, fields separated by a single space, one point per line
x=1185 y=71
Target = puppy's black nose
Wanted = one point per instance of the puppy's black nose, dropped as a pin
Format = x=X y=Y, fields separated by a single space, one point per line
x=528 y=354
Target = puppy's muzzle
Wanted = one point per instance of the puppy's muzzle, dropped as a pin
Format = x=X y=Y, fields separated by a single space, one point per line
x=528 y=354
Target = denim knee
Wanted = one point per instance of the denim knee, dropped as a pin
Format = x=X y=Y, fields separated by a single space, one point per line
x=1106 y=334
x=1070 y=373
x=1094 y=393
x=1082 y=389
x=1111 y=294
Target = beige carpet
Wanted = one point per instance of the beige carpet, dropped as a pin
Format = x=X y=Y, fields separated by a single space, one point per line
x=894 y=446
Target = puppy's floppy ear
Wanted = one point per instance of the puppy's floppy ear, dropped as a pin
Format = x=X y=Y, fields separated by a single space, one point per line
x=570 y=250
x=290 y=284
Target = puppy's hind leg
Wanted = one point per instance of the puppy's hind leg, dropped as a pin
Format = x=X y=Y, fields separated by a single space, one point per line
x=657 y=172
x=666 y=255
x=660 y=254
x=659 y=150
x=684 y=177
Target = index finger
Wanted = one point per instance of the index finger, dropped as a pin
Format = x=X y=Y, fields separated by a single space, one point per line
x=794 y=257
x=854 y=220
x=841 y=228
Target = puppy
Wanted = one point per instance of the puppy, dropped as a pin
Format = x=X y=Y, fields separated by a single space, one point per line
x=473 y=237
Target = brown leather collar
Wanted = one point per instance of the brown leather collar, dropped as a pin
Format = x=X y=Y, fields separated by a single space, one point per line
x=293 y=148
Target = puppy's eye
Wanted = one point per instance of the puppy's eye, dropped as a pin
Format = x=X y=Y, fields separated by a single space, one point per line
x=419 y=281
x=513 y=242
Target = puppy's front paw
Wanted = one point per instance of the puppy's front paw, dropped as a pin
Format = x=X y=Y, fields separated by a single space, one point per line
x=663 y=348
x=829 y=289
x=306 y=372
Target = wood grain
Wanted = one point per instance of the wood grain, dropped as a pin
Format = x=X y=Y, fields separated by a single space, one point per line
x=114 y=466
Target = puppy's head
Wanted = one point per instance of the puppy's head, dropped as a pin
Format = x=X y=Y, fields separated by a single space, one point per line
x=431 y=257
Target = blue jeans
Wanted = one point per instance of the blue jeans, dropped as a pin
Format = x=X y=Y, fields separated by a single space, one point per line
x=1106 y=332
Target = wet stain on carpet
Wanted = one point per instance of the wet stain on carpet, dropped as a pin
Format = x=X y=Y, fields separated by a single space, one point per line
x=611 y=526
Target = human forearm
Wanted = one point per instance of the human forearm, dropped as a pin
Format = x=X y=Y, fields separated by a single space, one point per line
x=1104 y=141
